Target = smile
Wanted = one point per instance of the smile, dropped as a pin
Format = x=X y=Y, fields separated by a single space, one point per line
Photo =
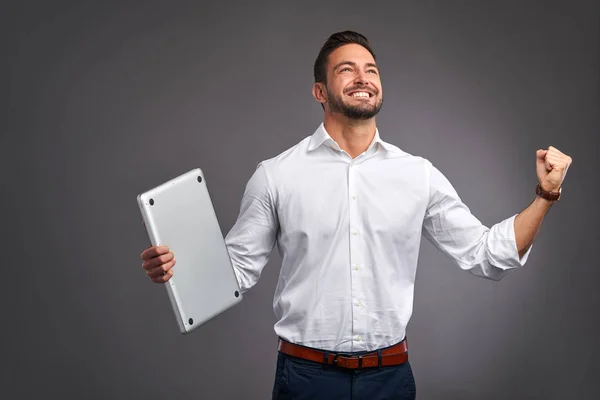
x=360 y=94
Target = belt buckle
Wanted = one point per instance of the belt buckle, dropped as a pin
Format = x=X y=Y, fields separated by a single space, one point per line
x=347 y=356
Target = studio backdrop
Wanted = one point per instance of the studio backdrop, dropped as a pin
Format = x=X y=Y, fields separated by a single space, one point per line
x=104 y=100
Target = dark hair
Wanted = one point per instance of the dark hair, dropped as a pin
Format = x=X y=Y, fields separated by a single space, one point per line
x=336 y=40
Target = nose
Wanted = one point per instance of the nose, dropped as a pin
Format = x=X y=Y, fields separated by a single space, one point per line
x=361 y=78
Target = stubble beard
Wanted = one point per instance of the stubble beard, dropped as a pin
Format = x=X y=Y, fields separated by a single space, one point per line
x=357 y=112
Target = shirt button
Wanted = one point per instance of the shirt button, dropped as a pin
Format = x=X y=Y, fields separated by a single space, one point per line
x=355 y=232
x=358 y=338
x=356 y=267
x=353 y=197
x=358 y=304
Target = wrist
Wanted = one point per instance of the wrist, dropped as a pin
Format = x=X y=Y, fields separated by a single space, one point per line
x=552 y=195
x=550 y=188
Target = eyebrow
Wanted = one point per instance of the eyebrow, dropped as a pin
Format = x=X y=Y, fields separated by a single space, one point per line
x=354 y=65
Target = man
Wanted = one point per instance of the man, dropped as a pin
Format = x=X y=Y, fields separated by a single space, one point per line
x=347 y=210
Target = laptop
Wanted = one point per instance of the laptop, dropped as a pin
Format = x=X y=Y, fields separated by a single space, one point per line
x=179 y=213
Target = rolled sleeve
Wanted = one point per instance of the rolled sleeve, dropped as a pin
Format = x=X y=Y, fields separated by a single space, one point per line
x=503 y=252
x=450 y=226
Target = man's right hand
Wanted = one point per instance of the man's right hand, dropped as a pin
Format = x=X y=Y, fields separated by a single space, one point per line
x=158 y=261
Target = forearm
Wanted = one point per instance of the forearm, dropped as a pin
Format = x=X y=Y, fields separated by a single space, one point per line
x=528 y=222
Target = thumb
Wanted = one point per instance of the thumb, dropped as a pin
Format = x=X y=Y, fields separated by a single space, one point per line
x=541 y=154
x=541 y=163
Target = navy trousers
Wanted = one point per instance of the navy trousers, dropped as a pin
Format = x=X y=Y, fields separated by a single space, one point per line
x=298 y=379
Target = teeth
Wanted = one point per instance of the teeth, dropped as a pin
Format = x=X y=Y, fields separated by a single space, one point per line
x=360 y=94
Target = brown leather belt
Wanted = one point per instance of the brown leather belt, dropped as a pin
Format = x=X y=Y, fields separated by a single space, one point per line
x=394 y=355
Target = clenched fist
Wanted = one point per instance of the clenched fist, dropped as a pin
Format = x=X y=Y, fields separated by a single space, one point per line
x=552 y=166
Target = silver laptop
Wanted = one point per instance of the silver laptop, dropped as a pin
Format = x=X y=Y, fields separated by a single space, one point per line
x=180 y=214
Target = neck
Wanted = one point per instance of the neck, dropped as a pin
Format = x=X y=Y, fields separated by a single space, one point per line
x=353 y=136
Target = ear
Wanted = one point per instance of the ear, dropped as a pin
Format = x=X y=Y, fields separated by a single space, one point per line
x=319 y=92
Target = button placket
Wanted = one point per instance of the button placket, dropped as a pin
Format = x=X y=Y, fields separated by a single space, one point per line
x=353 y=234
x=356 y=254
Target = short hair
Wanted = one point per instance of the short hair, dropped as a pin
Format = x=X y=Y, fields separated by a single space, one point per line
x=336 y=40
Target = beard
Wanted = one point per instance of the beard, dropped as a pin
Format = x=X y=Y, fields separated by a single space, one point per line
x=361 y=111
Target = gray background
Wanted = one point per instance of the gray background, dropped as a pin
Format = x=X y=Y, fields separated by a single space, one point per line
x=103 y=101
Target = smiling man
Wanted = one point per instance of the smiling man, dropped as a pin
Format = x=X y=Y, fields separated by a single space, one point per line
x=346 y=211
x=346 y=63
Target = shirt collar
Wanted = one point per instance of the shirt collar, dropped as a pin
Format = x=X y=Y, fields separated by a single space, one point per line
x=321 y=137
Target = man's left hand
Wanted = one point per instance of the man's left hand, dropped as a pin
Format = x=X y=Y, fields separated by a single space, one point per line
x=552 y=166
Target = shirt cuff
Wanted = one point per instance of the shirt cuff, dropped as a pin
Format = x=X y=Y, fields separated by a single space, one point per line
x=502 y=249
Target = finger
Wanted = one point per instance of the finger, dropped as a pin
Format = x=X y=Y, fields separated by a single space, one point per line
x=559 y=161
x=557 y=156
x=157 y=261
x=161 y=269
x=553 y=154
x=554 y=150
x=154 y=251
x=163 y=278
x=550 y=158
x=159 y=272
x=540 y=154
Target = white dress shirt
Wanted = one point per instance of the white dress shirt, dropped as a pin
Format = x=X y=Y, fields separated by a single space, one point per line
x=349 y=232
